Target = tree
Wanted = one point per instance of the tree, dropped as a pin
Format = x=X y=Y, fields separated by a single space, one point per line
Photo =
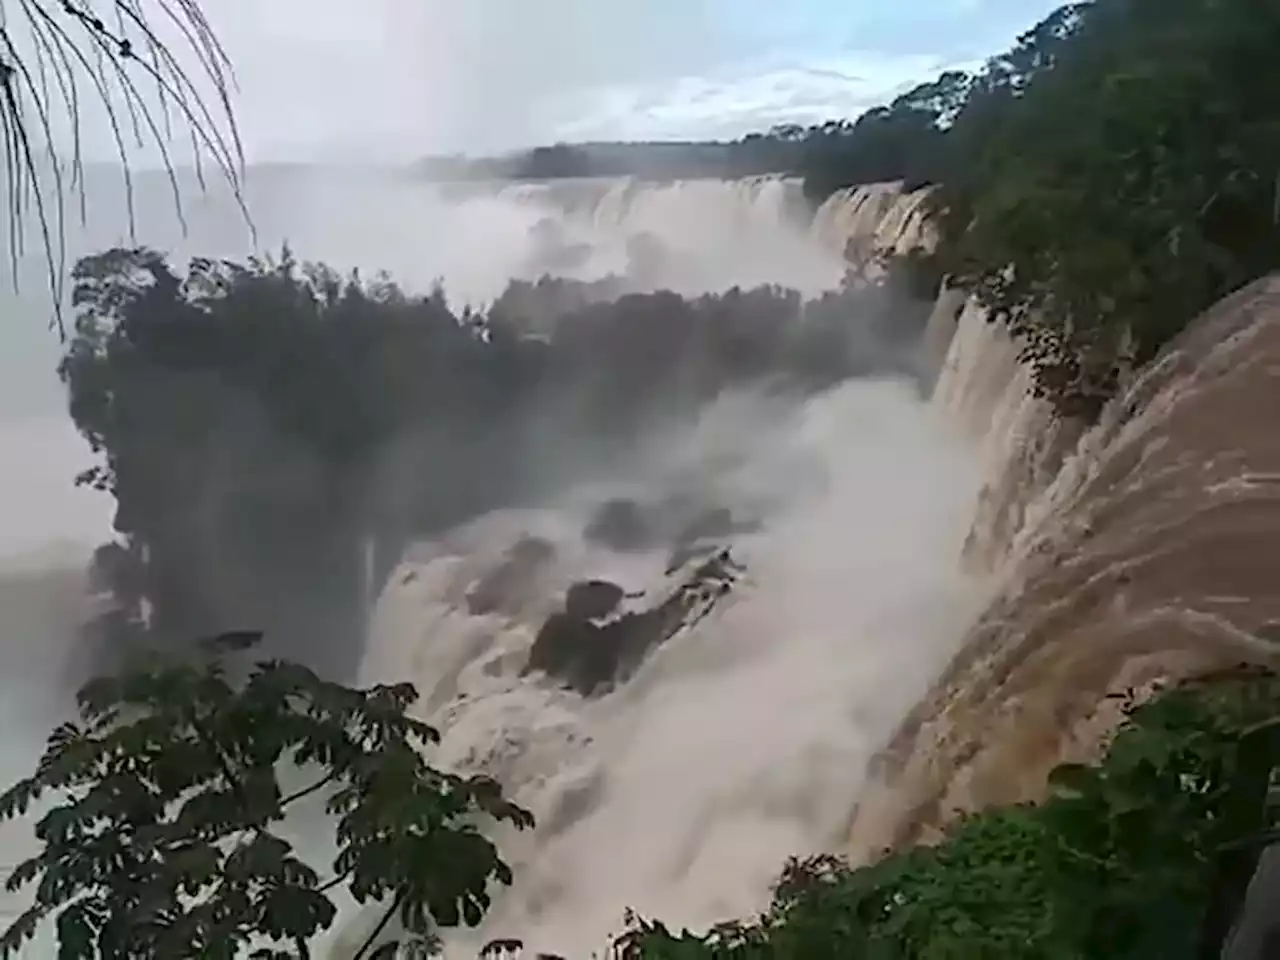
x=163 y=839
x=1096 y=241
x=104 y=44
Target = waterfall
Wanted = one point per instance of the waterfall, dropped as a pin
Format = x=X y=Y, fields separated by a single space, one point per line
x=742 y=739
x=873 y=219
x=937 y=595
x=1125 y=555
x=689 y=236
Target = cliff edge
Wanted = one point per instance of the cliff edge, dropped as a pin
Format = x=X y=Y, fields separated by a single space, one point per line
x=1137 y=551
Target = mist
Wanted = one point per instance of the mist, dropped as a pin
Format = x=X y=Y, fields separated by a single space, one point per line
x=742 y=736
x=741 y=742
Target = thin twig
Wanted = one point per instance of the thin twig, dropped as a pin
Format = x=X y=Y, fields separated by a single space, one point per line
x=370 y=940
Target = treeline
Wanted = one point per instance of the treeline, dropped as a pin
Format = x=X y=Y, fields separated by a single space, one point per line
x=1097 y=185
x=273 y=432
x=895 y=142
x=658 y=160
x=1116 y=183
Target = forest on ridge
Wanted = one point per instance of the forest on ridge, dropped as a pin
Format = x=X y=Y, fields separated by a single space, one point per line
x=1096 y=187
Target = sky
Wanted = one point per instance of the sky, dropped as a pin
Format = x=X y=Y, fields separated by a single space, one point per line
x=396 y=79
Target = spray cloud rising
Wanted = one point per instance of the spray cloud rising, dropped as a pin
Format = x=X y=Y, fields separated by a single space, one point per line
x=739 y=740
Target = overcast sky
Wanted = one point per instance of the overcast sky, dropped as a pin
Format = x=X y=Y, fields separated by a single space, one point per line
x=391 y=79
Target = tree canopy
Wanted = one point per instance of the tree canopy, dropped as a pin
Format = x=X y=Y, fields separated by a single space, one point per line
x=1099 y=237
x=163 y=839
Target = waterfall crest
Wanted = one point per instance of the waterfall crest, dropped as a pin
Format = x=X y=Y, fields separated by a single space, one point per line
x=1130 y=553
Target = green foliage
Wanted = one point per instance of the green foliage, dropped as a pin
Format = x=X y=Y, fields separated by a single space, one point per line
x=1145 y=856
x=1113 y=176
x=160 y=836
x=1097 y=186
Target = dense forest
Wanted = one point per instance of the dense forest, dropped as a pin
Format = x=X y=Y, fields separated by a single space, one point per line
x=1096 y=186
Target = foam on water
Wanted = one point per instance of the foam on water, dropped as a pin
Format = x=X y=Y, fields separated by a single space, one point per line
x=741 y=741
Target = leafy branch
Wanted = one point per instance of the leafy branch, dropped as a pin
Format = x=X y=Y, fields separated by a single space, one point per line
x=163 y=801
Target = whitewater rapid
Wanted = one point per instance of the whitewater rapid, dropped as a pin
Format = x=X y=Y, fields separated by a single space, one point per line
x=744 y=739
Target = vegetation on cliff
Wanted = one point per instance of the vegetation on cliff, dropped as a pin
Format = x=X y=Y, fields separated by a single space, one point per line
x=1105 y=180
x=1114 y=176
x=1097 y=186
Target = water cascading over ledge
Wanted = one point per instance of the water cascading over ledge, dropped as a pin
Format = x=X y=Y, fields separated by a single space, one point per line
x=743 y=740
x=1137 y=552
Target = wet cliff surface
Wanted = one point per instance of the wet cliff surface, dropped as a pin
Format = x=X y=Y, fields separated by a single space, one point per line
x=1143 y=549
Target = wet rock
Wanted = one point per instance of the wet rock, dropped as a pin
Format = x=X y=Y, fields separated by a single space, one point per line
x=591 y=658
x=592 y=599
x=703 y=534
x=562 y=645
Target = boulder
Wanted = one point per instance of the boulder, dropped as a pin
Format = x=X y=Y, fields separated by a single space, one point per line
x=591 y=657
x=592 y=599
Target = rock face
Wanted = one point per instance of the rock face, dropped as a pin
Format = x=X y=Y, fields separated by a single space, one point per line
x=1147 y=553
x=575 y=647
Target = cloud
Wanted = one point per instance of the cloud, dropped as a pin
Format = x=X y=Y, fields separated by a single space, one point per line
x=390 y=80
x=750 y=97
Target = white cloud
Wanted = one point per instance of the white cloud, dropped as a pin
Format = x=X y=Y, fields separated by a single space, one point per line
x=752 y=96
x=393 y=79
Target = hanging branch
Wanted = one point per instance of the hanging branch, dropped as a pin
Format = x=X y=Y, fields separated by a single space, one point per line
x=58 y=55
